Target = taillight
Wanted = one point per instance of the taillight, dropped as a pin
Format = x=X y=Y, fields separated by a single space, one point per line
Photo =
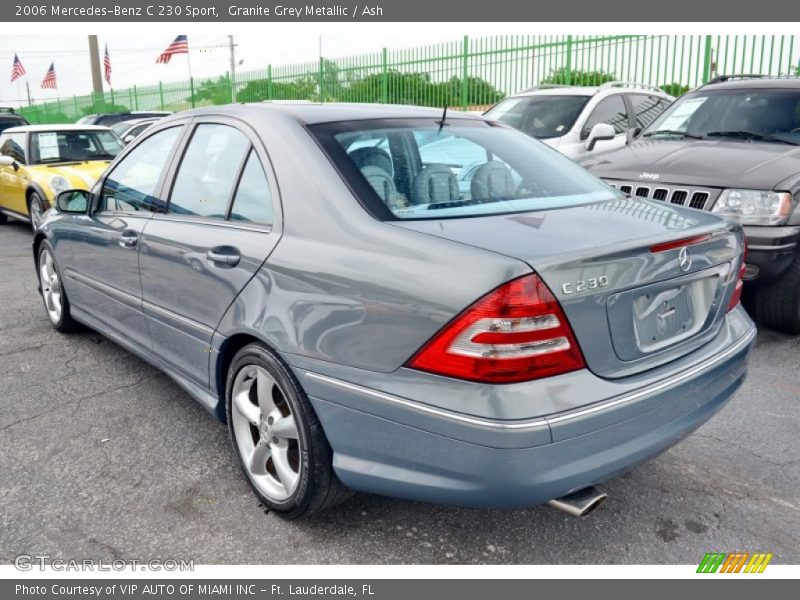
x=516 y=333
x=737 y=291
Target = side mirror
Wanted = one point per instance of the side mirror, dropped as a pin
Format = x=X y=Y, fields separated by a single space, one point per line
x=7 y=161
x=74 y=202
x=129 y=138
x=601 y=131
x=632 y=134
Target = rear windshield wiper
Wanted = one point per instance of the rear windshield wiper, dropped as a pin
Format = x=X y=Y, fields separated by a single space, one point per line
x=694 y=136
x=750 y=135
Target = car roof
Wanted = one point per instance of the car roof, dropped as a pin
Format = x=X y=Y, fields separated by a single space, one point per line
x=57 y=127
x=753 y=83
x=311 y=113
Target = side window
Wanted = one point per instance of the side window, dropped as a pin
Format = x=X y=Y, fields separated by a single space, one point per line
x=11 y=144
x=647 y=108
x=610 y=110
x=208 y=171
x=253 y=200
x=132 y=183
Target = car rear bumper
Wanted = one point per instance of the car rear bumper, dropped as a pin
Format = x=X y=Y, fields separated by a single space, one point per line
x=770 y=252
x=400 y=447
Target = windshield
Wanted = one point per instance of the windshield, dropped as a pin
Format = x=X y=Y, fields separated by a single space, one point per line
x=417 y=169
x=747 y=114
x=67 y=146
x=542 y=116
x=122 y=126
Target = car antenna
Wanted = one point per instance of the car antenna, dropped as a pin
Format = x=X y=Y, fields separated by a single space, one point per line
x=442 y=122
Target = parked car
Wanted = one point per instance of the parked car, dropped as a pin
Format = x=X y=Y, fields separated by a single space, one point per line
x=38 y=161
x=9 y=118
x=730 y=147
x=362 y=322
x=128 y=130
x=581 y=121
x=109 y=119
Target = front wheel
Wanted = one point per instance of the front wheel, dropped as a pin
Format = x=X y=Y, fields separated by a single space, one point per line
x=55 y=299
x=277 y=436
x=36 y=210
x=778 y=304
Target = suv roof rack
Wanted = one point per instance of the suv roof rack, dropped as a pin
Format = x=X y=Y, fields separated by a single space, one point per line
x=633 y=84
x=724 y=78
x=546 y=86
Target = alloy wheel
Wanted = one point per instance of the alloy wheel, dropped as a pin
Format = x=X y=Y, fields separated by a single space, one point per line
x=51 y=286
x=266 y=433
x=36 y=212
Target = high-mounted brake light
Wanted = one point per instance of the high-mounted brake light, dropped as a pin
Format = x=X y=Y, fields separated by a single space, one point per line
x=515 y=333
x=737 y=291
x=697 y=239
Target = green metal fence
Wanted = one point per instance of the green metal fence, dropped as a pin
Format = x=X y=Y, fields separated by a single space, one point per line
x=468 y=73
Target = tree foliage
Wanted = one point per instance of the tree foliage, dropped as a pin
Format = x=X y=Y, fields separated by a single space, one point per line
x=563 y=76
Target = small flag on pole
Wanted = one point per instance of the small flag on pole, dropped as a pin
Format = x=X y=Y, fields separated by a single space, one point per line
x=17 y=70
x=107 y=67
x=179 y=46
x=49 y=80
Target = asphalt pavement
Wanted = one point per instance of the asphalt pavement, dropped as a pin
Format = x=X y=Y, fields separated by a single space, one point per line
x=102 y=456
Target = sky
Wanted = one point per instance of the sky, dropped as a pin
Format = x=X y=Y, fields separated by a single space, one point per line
x=133 y=58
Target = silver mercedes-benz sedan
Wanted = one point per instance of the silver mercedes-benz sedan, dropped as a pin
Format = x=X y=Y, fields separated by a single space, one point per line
x=404 y=301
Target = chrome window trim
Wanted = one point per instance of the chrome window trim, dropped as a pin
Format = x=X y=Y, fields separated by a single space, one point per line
x=546 y=420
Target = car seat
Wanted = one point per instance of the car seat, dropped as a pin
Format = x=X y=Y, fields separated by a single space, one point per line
x=381 y=181
x=372 y=157
x=435 y=183
x=492 y=181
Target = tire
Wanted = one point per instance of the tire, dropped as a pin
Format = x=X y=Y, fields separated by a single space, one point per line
x=277 y=436
x=3 y=218
x=36 y=210
x=778 y=304
x=53 y=295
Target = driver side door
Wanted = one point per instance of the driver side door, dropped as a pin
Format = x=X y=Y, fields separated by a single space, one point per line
x=105 y=244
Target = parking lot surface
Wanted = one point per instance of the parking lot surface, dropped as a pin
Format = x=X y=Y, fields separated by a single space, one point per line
x=104 y=457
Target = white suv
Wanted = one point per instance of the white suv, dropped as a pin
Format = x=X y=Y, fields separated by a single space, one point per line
x=581 y=121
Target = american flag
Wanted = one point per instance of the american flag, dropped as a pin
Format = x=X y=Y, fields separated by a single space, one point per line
x=179 y=46
x=107 y=67
x=17 y=70
x=49 y=80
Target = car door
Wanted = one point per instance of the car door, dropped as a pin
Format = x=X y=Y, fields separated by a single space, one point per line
x=13 y=181
x=104 y=244
x=612 y=110
x=218 y=229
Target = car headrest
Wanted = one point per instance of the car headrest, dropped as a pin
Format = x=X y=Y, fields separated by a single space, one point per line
x=492 y=181
x=435 y=183
x=372 y=157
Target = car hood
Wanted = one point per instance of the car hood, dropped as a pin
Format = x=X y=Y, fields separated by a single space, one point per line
x=708 y=163
x=80 y=175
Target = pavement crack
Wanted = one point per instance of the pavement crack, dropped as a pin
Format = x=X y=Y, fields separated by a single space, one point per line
x=77 y=402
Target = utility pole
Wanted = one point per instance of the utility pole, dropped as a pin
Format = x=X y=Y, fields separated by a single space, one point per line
x=94 y=59
x=233 y=68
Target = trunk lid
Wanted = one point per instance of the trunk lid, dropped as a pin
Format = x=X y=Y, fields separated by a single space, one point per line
x=631 y=308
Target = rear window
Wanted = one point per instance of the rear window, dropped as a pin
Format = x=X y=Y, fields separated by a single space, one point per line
x=417 y=169
x=7 y=121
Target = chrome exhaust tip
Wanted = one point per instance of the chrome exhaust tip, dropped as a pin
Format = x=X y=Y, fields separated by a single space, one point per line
x=580 y=503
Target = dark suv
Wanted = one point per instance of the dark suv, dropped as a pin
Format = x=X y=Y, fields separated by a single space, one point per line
x=9 y=118
x=731 y=147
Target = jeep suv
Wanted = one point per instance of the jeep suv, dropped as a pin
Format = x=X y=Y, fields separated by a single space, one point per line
x=579 y=121
x=731 y=147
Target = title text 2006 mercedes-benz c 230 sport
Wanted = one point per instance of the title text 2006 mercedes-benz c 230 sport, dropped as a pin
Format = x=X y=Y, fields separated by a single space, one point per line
x=403 y=301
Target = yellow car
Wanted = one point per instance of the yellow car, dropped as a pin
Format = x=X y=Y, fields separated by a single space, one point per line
x=39 y=161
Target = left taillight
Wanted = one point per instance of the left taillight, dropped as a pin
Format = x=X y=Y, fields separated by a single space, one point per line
x=737 y=290
x=517 y=332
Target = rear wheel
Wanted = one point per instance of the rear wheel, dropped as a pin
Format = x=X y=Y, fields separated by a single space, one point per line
x=36 y=210
x=277 y=436
x=3 y=218
x=778 y=304
x=53 y=295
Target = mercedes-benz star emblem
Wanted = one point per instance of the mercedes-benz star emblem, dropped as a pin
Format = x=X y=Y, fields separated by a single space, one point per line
x=684 y=259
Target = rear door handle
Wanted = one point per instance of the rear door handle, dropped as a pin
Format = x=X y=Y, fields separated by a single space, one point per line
x=129 y=238
x=229 y=257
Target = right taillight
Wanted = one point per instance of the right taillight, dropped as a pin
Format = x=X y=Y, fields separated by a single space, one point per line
x=737 y=291
x=515 y=333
